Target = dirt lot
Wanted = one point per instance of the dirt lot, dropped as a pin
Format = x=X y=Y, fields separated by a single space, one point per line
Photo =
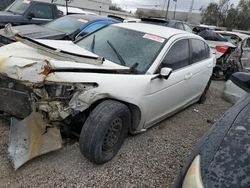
x=151 y=159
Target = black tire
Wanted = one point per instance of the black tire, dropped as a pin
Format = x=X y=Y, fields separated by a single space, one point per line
x=216 y=74
x=104 y=131
x=203 y=96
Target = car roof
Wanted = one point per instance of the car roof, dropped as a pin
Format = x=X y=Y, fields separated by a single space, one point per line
x=158 y=30
x=160 y=20
x=241 y=35
x=90 y=17
x=74 y=10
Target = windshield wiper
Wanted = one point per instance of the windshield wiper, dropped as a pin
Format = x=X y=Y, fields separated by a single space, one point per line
x=117 y=53
x=93 y=44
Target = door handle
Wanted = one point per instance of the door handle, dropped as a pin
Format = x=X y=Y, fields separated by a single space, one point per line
x=188 y=76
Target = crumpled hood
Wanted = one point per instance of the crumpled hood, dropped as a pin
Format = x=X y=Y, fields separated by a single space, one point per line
x=21 y=62
x=36 y=32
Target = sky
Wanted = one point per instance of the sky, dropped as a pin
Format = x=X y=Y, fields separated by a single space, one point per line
x=159 y=4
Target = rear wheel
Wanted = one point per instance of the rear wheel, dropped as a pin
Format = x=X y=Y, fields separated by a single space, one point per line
x=203 y=96
x=104 y=131
x=217 y=73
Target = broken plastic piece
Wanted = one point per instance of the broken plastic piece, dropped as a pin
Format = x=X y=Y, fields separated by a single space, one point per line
x=30 y=138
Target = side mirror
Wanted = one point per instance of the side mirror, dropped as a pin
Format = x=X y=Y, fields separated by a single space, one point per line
x=165 y=72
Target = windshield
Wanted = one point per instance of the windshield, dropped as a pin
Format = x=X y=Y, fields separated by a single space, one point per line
x=67 y=24
x=18 y=7
x=131 y=48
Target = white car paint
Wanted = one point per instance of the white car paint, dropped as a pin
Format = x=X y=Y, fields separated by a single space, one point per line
x=156 y=98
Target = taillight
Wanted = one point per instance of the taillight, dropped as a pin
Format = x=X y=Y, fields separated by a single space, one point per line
x=221 y=49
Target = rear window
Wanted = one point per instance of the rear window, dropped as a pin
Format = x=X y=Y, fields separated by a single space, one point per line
x=211 y=35
x=234 y=39
x=200 y=50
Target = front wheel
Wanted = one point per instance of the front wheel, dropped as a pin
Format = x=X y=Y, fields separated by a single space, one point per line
x=104 y=131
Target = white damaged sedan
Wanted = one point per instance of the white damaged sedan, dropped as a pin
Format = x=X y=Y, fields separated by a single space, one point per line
x=120 y=79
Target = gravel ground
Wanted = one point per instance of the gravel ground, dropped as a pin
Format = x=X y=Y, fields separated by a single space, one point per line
x=150 y=159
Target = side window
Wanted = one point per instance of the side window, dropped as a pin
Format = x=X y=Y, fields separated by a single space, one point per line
x=179 y=26
x=247 y=43
x=94 y=26
x=42 y=11
x=178 y=55
x=200 y=50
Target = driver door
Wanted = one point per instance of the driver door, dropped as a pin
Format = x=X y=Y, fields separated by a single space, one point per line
x=168 y=95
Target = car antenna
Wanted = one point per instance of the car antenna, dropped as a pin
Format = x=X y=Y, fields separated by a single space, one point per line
x=67 y=6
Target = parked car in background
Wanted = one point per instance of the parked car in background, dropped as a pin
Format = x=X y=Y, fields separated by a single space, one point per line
x=233 y=37
x=223 y=49
x=221 y=158
x=65 y=28
x=241 y=56
x=22 y=12
x=122 y=78
x=198 y=28
x=237 y=87
x=74 y=10
x=168 y=23
x=218 y=43
x=132 y=20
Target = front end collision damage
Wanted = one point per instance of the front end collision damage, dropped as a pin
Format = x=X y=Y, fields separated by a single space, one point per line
x=42 y=106
x=44 y=109
x=40 y=86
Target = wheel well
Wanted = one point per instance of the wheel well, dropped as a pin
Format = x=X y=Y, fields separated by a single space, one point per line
x=134 y=110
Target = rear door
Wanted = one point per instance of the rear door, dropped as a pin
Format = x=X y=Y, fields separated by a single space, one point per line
x=201 y=68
